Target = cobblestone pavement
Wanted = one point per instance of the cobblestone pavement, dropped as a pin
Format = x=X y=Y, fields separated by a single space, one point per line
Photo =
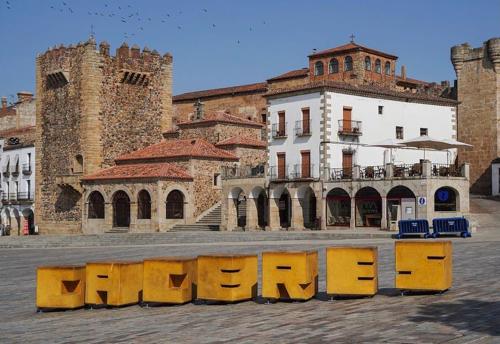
x=469 y=312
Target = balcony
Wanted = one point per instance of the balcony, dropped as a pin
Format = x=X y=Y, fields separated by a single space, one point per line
x=336 y=174
x=241 y=172
x=25 y=196
x=303 y=128
x=26 y=169
x=278 y=173
x=13 y=197
x=15 y=173
x=279 y=131
x=301 y=172
x=350 y=128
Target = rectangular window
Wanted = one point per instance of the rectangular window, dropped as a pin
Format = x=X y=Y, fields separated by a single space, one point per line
x=380 y=110
x=216 y=179
x=399 y=133
x=28 y=187
x=306 y=164
x=281 y=165
x=306 y=127
x=264 y=117
x=281 y=123
x=423 y=132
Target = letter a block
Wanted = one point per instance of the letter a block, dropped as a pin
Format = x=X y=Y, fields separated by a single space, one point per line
x=227 y=278
x=60 y=287
x=289 y=275
x=169 y=280
x=423 y=266
x=351 y=271
x=113 y=283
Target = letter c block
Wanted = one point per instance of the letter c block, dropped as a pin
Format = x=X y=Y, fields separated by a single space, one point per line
x=114 y=283
x=60 y=287
x=169 y=280
x=289 y=275
x=227 y=278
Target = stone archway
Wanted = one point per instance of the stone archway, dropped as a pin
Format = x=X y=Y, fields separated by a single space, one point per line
x=285 y=209
x=257 y=211
x=368 y=208
x=401 y=205
x=338 y=208
x=121 y=209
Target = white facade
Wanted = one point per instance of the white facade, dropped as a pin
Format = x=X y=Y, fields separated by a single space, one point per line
x=495 y=178
x=439 y=120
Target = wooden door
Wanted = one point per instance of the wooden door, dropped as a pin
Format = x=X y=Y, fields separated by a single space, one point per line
x=346 y=120
x=306 y=128
x=281 y=124
x=347 y=163
x=281 y=165
x=306 y=164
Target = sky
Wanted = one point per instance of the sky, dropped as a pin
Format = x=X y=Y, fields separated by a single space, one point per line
x=220 y=43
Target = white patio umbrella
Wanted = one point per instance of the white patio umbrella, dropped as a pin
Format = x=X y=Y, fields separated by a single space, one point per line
x=426 y=142
x=388 y=143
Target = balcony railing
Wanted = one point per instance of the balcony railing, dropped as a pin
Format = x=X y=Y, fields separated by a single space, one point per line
x=26 y=168
x=303 y=128
x=17 y=196
x=279 y=131
x=445 y=170
x=24 y=196
x=352 y=128
x=372 y=172
x=243 y=172
x=338 y=174
x=302 y=172
x=278 y=173
x=407 y=170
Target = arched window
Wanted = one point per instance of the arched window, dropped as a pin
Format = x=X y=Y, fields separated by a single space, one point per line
x=348 y=63
x=78 y=164
x=143 y=205
x=333 y=66
x=378 y=66
x=96 y=206
x=318 y=68
x=121 y=209
x=445 y=199
x=387 y=68
x=175 y=205
x=368 y=63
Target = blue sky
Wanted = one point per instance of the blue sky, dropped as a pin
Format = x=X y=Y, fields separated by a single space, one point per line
x=274 y=36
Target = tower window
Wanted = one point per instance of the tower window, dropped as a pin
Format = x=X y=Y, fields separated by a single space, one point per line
x=380 y=110
x=399 y=133
x=348 y=63
x=378 y=66
x=368 y=63
x=333 y=66
x=387 y=68
x=318 y=68
x=424 y=131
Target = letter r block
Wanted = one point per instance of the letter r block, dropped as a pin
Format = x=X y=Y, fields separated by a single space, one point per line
x=169 y=280
x=60 y=287
x=114 y=283
x=289 y=275
x=227 y=278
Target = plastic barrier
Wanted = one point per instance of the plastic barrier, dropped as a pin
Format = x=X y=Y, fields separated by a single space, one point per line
x=60 y=287
x=351 y=271
x=289 y=275
x=451 y=225
x=423 y=266
x=169 y=280
x=113 y=283
x=412 y=227
x=227 y=278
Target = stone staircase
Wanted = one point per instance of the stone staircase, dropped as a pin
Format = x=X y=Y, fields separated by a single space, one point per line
x=208 y=222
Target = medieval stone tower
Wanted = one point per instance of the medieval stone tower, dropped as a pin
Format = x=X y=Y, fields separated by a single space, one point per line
x=478 y=80
x=90 y=108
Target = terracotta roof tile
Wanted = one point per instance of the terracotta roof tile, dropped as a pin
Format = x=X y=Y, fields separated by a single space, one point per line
x=351 y=47
x=411 y=81
x=297 y=73
x=140 y=171
x=242 y=141
x=249 y=88
x=221 y=117
x=17 y=131
x=190 y=148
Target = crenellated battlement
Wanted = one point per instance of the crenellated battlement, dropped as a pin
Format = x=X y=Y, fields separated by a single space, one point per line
x=464 y=52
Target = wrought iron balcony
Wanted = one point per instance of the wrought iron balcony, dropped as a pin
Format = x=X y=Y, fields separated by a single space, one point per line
x=279 y=131
x=243 y=172
x=333 y=174
x=303 y=128
x=27 y=169
x=299 y=172
x=278 y=173
x=25 y=196
x=350 y=128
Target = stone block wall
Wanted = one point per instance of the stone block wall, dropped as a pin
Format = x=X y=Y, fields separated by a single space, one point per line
x=220 y=132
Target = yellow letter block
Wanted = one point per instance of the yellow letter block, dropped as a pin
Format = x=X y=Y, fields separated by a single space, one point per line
x=351 y=271
x=60 y=287
x=113 y=283
x=227 y=278
x=169 y=280
x=289 y=275
x=423 y=265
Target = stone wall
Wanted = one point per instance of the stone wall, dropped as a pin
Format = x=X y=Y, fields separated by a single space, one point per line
x=219 y=132
x=478 y=80
x=249 y=156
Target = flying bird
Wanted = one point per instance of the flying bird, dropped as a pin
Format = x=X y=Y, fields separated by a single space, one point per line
x=205 y=10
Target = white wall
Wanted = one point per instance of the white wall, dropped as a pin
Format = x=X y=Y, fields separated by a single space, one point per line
x=495 y=179
x=21 y=178
x=292 y=145
x=375 y=127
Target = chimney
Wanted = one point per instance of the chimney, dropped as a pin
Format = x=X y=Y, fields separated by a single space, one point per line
x=24 y=97
x=403 y=72
x=4 y=103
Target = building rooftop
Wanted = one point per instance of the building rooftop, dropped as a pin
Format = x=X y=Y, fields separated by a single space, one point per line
x=242 y=141
x=351 y=47
x=220 y=117
x=248 y=88
x=296 y=73
x=141 y=171
x=189 y=148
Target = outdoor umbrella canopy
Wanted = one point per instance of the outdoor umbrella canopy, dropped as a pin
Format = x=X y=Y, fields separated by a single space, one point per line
x=388 y=143
x=426 y=142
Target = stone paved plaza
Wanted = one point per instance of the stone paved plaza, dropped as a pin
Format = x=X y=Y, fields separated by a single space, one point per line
x=469 y=312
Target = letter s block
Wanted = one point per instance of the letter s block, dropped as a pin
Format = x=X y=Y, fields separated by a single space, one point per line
x=114 y=283
x=227 y=278
x=60 y=287
x=169 y=280
x=423 y=265
x=289 y=275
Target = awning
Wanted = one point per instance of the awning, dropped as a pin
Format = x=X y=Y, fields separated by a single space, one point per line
x=14 y=165
x=5 y=164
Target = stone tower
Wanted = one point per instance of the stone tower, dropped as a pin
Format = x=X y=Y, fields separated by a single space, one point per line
x=90 y=108
x=478 y=80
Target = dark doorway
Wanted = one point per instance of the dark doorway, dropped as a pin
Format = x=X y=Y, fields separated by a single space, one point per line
x=121 y=209
x=175 y=205
x=261 y=210
x=285 y=209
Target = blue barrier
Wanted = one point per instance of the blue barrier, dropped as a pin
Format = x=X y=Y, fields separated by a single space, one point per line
x=411 y=227
x=451 y=225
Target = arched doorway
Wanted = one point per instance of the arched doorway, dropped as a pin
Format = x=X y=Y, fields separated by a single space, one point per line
x=401 y=205
x=241 y=209
x=445 y=199
x=258 y=199
x=285 y=209
x=308 y=204
x=121 y=209
x=338 y=208
x=368 y=205
x=262 y=210
x=143 y=205
x=95 y=206
x=29 y=221
x=175 y=205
